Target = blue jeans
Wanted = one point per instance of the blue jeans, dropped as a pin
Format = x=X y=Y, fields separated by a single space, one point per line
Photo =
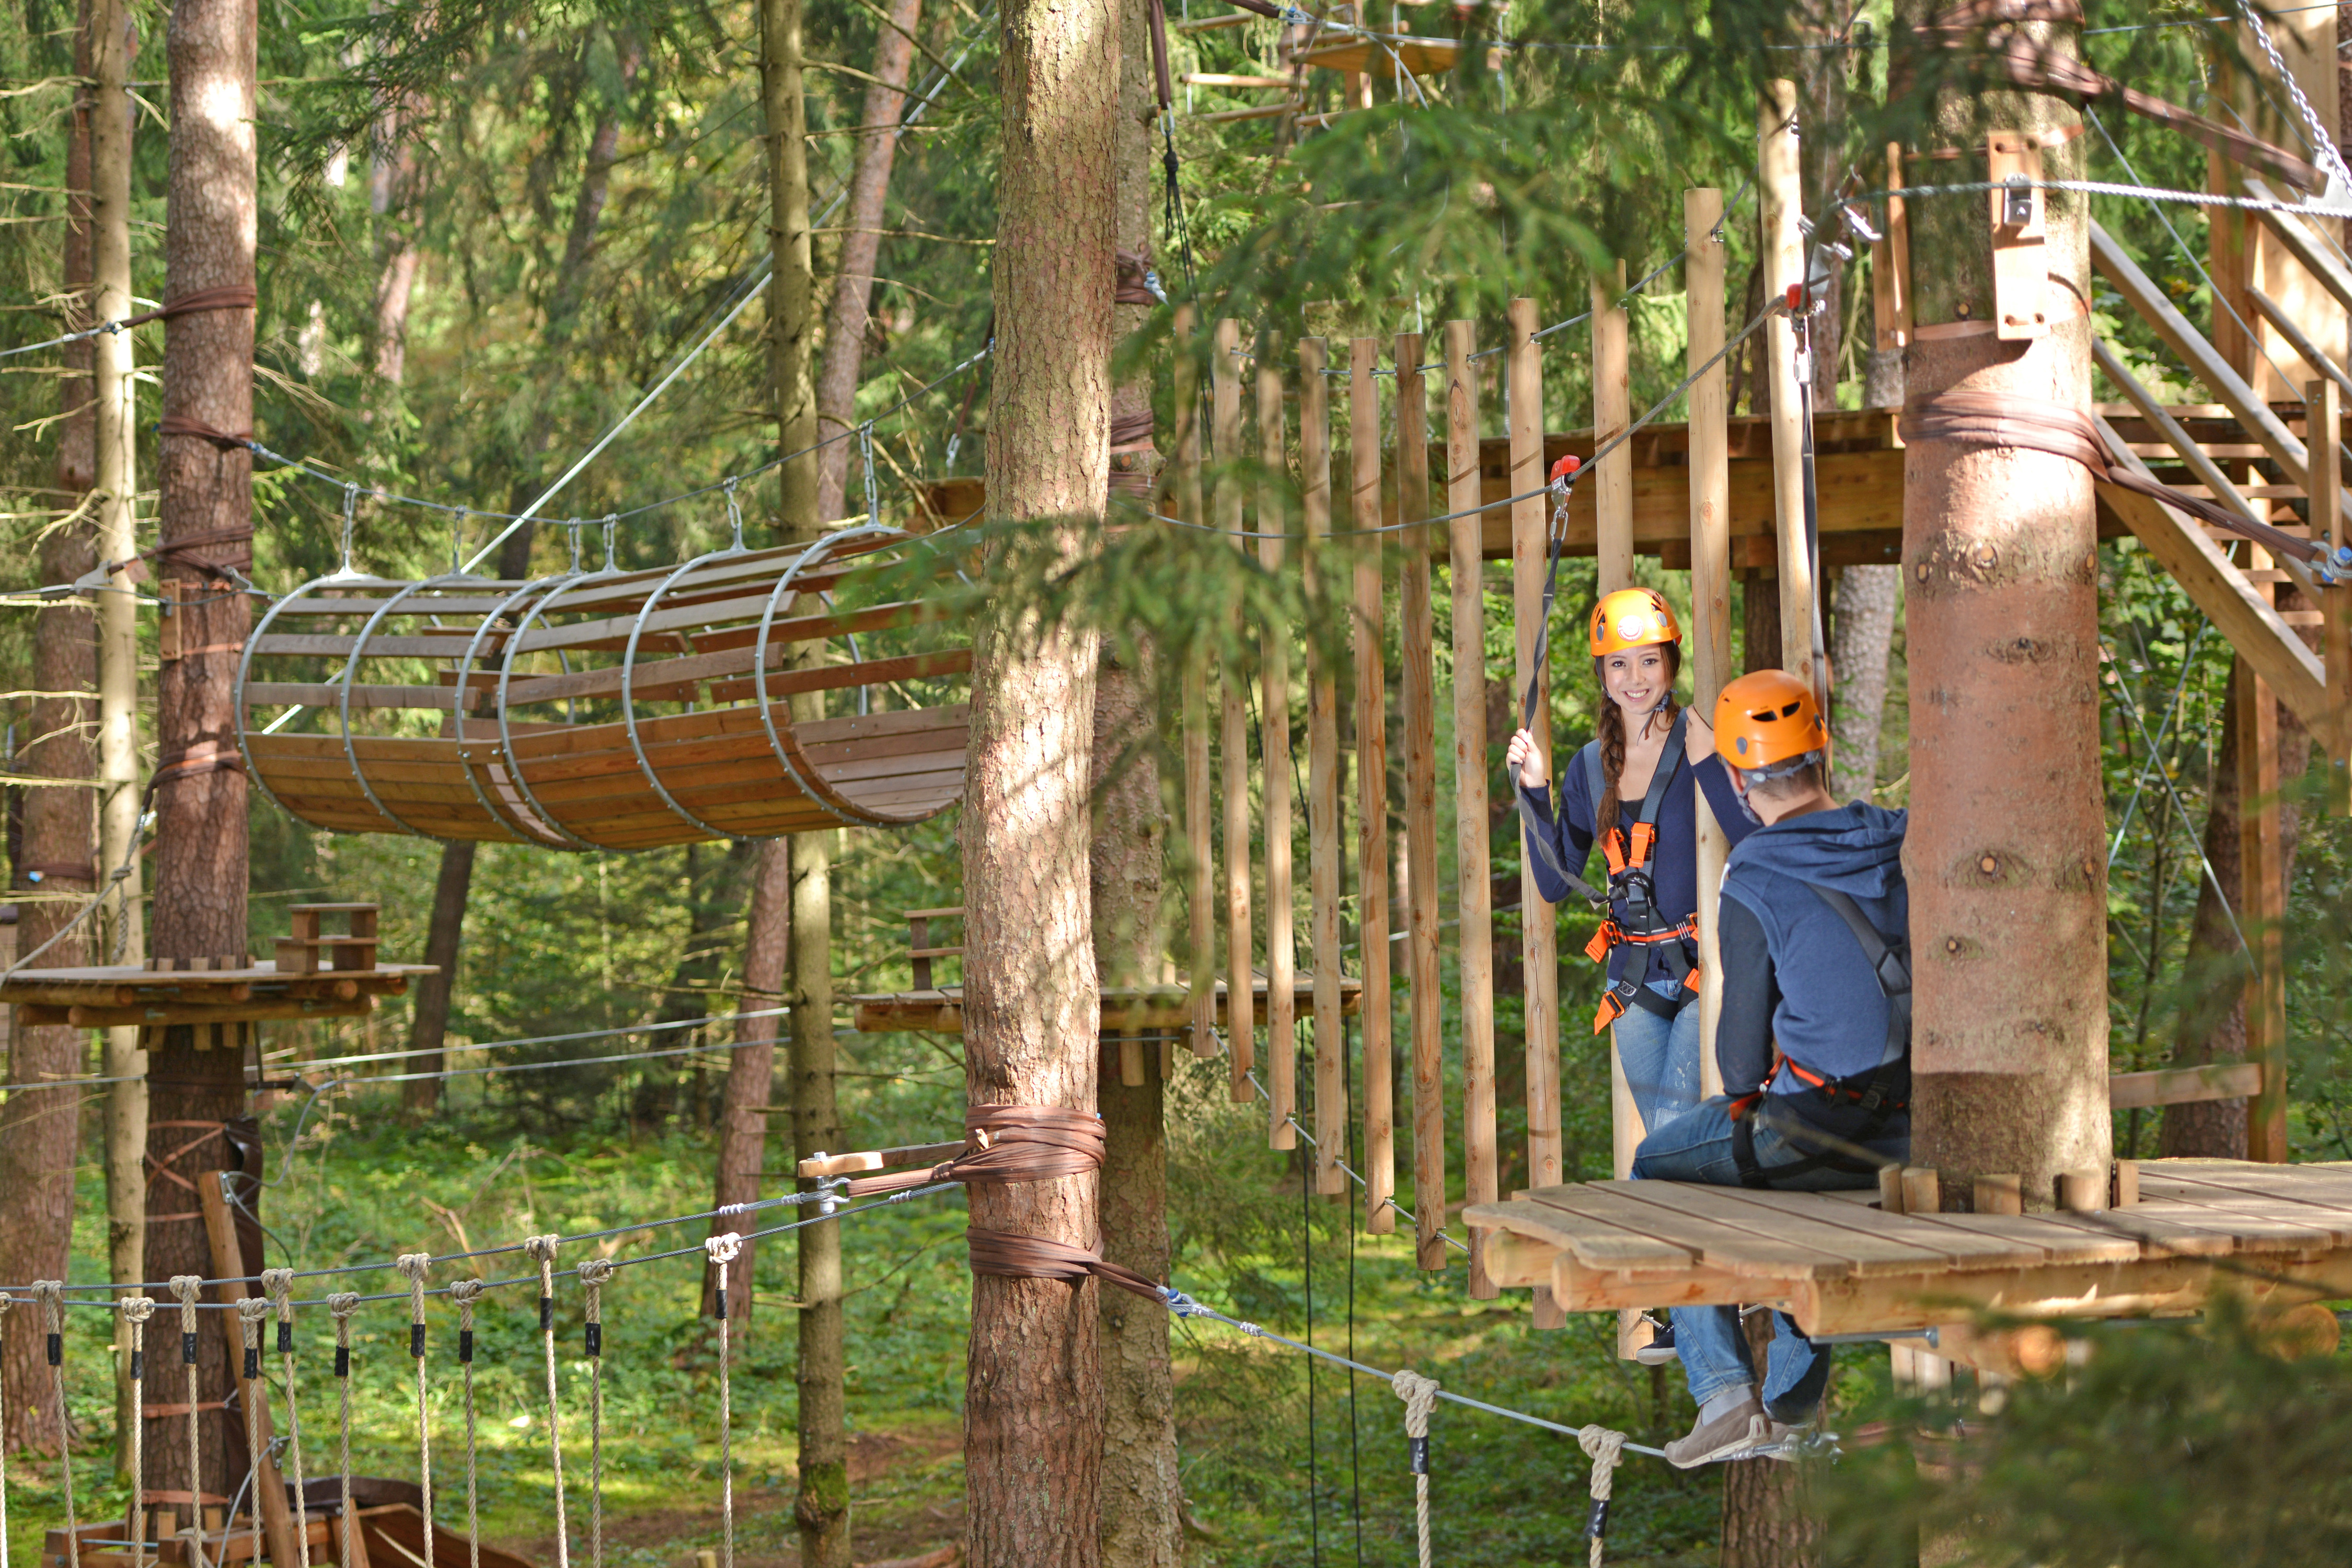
x=1697 y=1147
x=1661 y=1060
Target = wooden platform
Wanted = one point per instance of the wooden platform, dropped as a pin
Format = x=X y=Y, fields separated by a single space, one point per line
x=126 y=994
x=2280 y=1234
x=940 y=1010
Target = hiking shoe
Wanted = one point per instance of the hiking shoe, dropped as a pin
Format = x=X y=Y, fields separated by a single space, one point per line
x=1727 y=1436
x=1660 y=1350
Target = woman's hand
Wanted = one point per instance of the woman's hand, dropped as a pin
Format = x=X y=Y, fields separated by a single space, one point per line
x=1526 y=760
x=1698 y=737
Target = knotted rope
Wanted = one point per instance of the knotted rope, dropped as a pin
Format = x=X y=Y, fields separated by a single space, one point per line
x=1605 y=1449
x=50 y=1294
x=722 y=1250
x=466 y=1292
x=340 y=1306
x=593 y=1276
x=253 y=1396
x=1420 y=1397
x=542 y=1248
x=277 y=1284
x=412 y=1267
x=184 y=1288
x=136 y=1310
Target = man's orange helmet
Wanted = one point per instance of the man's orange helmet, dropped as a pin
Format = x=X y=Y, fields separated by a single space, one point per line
x=1766 y=717
x=1633 y=617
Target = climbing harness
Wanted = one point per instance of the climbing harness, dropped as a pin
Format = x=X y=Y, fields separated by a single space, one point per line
x=1634 y=918
x=1879 y=1093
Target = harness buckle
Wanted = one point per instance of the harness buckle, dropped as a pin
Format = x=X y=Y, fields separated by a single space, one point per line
x=1645 y=836
x=1610 y=934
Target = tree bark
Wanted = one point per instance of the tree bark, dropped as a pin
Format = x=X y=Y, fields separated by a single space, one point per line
x=1863 y=637
x=2000 y=557
x=2213 y=1028
x=822 y=1506
x=861 y=248
x=196 y=1080
x=1759 y=618
x=1766 y=1520
x=391 y=186
x=750 y=1071
x=1820 y=155
x=1033 y=1389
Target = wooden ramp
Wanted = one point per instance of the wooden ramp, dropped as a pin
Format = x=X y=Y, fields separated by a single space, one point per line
x=2279 y=1235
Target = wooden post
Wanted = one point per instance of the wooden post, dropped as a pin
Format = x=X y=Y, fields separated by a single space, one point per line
x=1523 y=366
x=1612 y=476
x=1225 y=438
x=252 y=1392
x=1274 y=748
x=2262 y=902
x=1419 y=646
x=1199 y=857
x=1710 y=523
x=1890 y=266
x=1474 y=888
x=1322 y=744
x=1784 y=264
x=2325 y=409
x=1371 y=806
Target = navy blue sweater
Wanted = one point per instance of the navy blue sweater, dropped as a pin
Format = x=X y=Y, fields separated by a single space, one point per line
x=1675 y=858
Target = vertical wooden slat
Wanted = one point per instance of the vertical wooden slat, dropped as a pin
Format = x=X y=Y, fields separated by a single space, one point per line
x=1418 y=638
x=1784 y=264
x=1274 y=748
x=1612 y=477
x=1524 y=367
x=1225 y=436
x=1890 y=266
x=1371 y=800
x=2326 y=412
x=1710 y=524
x=1322 y=741
x=1474 y=890
x=1198 y=867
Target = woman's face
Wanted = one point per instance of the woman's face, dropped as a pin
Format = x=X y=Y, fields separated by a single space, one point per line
x=1637 y=679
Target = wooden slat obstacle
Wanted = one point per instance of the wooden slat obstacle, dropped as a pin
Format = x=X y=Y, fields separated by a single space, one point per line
x=606 y=709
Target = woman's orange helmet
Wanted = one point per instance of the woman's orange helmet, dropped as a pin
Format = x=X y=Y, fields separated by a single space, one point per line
x=1766 y=717
x=1633 y=617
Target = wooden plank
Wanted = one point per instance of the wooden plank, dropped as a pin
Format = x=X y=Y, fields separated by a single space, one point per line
x=1474 y=883
x=1523 y=364
x=2144 y=1287
x=2282 y=321
x=1596 y=1242
x=1713 y=1242
x=1418 y=650
x=1710 y=577
x=2262 y=902
x=1779 y=196
x=1959 y=1246
x=1274 y=749
x=1225 y=433
x=2273 y=1220
x=1890 y=265
x=1322 y=739
x=2323 y=259
x=1364 y=511
x=2324 y=413
x=1867 y=1251
x=2183 y=1086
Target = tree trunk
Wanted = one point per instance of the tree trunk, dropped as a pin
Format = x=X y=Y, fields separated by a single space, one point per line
x=2213 y=1028
x=2009 y=1053
x=1766 y=1520
x=444 y=935
x=38 y=1127
x=1864 y=634
x=196 y=1072
x=750 y=1071
x=1820 y=155
x=861 y=248
x=1033 y=1386
x=390 y=188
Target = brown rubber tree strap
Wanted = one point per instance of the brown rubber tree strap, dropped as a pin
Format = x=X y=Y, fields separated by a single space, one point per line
x=203 y=757
x=227 y=441
x=1004 y=1256
x=1008 y=1144
x=1131 y=432
x=233 y=297
x=1130 y=287
x=69 y=870
x=2025 y=424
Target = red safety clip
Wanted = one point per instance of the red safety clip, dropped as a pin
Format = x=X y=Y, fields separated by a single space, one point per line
x=1566 y=467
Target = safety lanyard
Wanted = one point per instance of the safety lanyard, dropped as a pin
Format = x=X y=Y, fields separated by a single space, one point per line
x=1537 y=832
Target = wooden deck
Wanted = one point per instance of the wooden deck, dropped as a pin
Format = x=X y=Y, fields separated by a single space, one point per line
x=940 y=1010
x=2280 y=1234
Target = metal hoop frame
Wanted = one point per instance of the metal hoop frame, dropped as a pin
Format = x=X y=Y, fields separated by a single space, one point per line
x=629 y=700
x=557 y=589
x=820 y=793
x=541 y=830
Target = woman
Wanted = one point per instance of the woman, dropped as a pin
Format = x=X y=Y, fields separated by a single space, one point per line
x=1636 y=776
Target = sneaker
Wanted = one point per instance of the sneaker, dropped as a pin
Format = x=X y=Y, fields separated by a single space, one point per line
x=1727 y=1436
x=1660 y=1350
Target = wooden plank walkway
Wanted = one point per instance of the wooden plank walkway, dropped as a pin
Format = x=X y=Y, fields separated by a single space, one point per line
x=2280 y=1234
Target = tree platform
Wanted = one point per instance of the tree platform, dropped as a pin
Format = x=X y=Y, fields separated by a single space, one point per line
x=2279 y=1235
x=108 y=995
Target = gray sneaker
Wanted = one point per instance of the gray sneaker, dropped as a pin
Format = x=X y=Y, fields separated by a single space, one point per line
x=1727 y=1436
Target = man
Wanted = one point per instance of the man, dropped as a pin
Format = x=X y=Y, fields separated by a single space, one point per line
x=1814 y=1038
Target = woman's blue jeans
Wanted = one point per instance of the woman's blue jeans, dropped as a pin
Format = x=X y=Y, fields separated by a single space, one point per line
x=1660 y=1057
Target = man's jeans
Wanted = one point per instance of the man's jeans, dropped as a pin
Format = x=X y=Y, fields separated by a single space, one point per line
x=1697 y=1147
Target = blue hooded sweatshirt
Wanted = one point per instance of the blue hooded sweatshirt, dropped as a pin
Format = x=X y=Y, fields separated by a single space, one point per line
x=1793 y=971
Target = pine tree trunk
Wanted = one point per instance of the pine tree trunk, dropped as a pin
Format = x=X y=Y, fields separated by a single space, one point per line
x=750 y=1071
x=861 y=247
x=1865 y=636
x=392 y=185
x=444 y=936
x=2000 y=557
x=823 y=1507
x=1033 y=1387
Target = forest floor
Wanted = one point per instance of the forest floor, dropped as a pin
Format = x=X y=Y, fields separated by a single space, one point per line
x=1276 y=1471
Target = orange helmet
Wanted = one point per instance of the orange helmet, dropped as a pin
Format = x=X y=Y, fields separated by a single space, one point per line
x=1766 y=717
x=1631 y=617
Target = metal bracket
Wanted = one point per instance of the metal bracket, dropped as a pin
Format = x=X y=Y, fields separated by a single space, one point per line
x=2021 y=270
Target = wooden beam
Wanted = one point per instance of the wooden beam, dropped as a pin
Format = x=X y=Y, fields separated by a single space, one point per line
x=873 y=1159
x=2322 y=259
x=2183 y=1086
x=1274 y=751
x=252 y=1392
x=2324 y=409
x=1612 y=479
x=2208 y=473
x=2262 y=907
x=1781 y=193
x=1710 y=581
x=1233 y=786
x=2145 y=1287
x=2284 y=322
x=1199 y=860
x=1474 y=886
x=1523 y=364
x=1417 y=643
x=1371 y=811
x=1890 y=266
x=1322 y=741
